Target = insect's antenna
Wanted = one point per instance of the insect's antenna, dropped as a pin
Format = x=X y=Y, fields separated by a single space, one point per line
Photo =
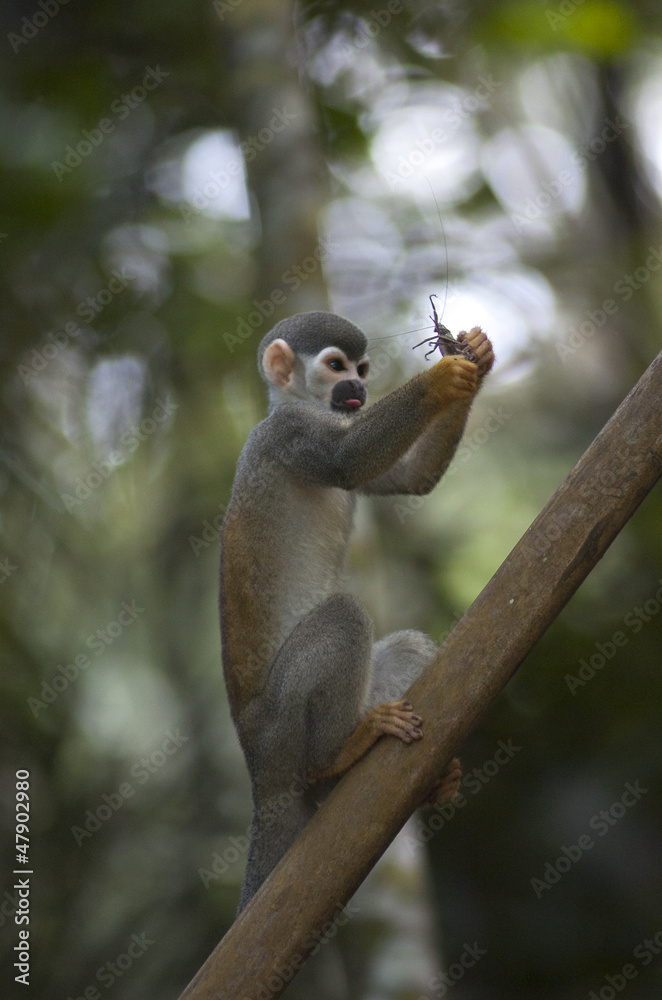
x=392 y=336
x=437 y=319
x=443 y=233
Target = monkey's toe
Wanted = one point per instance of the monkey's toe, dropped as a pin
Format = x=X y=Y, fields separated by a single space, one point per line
x=396 y=718
x=448 y=786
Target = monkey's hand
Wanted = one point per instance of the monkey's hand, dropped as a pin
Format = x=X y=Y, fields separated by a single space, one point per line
x=481 y=348
x=393 y=718
x=448 y=785
x=451 y=379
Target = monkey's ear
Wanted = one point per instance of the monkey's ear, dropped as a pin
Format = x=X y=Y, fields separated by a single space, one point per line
x=278 y=362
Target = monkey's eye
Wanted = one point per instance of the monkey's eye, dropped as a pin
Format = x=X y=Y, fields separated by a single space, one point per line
x=362 y=370
x=336 y=364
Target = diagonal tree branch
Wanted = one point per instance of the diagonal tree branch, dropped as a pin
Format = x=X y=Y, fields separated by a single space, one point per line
x=272 y=937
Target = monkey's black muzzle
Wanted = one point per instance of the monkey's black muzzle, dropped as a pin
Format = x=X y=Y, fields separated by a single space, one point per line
x=348 y=396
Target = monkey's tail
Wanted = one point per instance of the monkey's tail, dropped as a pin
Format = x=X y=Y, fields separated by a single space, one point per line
x=276 y=825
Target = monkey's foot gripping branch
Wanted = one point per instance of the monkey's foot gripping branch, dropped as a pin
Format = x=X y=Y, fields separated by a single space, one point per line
x=448 y=785
x=393 y=718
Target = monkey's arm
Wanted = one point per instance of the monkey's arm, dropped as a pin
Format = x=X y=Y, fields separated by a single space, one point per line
x=350 y=452
x=423 y=465
x=421 y=468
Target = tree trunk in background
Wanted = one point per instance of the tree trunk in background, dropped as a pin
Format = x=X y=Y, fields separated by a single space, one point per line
x=286 y=174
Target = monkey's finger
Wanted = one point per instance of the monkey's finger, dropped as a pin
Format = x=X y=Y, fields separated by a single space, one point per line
x=476 y=339
x=475 y=335
x=480 y=346
x=454 y=368
x=456 y=363
x=462 y=376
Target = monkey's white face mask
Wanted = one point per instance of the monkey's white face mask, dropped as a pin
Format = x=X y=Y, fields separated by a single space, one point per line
x=328 y=379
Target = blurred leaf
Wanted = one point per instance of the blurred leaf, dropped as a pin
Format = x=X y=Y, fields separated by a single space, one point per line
x=600 y=28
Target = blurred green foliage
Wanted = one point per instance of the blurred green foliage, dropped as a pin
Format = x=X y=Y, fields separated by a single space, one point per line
x=143 y=258
x=602 y=29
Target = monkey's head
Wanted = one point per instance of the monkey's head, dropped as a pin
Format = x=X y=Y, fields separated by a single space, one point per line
x=317 y=357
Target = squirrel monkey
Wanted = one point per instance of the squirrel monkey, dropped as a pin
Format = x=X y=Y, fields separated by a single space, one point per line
x=309 y=690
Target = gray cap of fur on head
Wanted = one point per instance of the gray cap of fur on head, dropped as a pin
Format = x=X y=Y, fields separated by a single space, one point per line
x=310 y=332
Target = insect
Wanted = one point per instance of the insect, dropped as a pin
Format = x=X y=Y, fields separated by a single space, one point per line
x=444 y=339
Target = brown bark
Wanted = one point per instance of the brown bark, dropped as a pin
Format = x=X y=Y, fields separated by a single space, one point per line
x=271 y=938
